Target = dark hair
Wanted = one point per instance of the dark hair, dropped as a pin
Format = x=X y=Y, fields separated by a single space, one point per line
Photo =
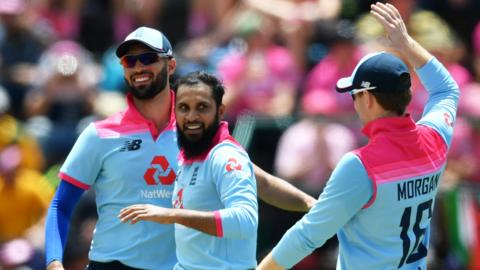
x=397 y=98
x=393 y=101
x=197 y=77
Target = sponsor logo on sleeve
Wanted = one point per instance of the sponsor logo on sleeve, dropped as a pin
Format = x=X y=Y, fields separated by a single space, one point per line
x=233 y=165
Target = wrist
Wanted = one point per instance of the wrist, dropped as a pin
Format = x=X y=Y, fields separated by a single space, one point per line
x=406 y=44
x=173 y=215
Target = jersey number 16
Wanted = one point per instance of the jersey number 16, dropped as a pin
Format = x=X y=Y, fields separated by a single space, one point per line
x=419 y=250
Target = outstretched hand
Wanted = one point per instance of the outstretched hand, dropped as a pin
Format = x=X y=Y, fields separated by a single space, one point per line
x=396 y=32
x=146 y=212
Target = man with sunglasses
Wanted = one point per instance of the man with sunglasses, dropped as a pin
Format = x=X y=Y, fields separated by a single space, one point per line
x=131 y=158
x=379 y=199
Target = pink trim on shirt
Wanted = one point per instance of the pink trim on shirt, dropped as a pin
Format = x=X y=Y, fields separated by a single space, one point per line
x=131 y=121
x=218 y=222
x=73 y=181
x=400 y=149
x=408 y=169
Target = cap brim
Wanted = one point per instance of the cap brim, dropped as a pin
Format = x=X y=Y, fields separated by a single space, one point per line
x=344 y=85
x=122 y=48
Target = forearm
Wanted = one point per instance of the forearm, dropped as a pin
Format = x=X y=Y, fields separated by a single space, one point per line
x=198 y=220
x=280 y=193
x=58 y=220
x=413 y=52
x=268 y=263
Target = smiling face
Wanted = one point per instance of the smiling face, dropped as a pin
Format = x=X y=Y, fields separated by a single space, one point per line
x=198 y=117
x=146 y=81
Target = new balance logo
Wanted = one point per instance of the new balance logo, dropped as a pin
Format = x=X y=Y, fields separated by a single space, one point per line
x=365 y=84
x=131 y=145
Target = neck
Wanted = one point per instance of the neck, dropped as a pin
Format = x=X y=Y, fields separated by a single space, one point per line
x=384 y=114
x=156 y=109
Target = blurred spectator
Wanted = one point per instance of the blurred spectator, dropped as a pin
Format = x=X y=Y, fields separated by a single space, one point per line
x=63 y=98
x=309 y=150
x=263 y=77
x=211 y=30
x=60 y=18
x=476 y=52
x=296 y=19
x=24 y=195
x=319 y=96
x=207 y=15
x=112 y=79
x=20 y=50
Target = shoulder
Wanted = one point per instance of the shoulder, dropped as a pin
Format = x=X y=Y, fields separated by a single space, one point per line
x=227 y=148
x=229 y=156
x=351 y=159
x=119 y=124
x=110 y=123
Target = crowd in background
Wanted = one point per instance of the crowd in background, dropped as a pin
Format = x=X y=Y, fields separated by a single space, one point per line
x=279 y=61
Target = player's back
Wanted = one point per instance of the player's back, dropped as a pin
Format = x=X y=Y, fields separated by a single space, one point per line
x=405 y=162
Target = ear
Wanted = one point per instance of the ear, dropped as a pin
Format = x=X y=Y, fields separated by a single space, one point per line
x=221 y=111
x=172 y=65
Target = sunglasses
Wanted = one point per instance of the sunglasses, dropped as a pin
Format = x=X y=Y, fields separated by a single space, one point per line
x=129 y=60
x=361 y=90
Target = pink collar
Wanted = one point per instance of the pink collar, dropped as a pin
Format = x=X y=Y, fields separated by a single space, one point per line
x=388 y=124
x=134 y=115
x=222 y=135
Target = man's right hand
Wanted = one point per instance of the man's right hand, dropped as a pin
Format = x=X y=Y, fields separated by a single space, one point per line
x=55 y=265
x=397 y=36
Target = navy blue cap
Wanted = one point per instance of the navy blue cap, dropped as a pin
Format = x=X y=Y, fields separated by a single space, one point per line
x=149 y=37
x=379 y=71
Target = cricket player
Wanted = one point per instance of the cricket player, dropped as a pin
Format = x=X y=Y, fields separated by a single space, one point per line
x=379 y=199
x=215 y=207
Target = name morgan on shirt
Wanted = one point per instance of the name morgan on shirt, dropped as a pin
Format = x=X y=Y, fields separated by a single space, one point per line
x=417 y=187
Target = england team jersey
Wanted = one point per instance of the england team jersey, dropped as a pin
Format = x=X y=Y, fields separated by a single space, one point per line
x=223 y=182
x=126 y=161
x=380 y=198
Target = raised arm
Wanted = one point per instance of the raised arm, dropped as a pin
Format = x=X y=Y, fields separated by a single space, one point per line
x=397 y=36
x=441 y=108
x=279 y=193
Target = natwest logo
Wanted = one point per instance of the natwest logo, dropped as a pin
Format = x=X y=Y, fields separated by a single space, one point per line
x=160 y=172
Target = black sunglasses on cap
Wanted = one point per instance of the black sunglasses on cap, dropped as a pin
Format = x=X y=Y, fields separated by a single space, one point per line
x=129 y=60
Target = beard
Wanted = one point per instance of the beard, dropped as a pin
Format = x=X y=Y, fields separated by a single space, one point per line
x=194 y=148
x=150 y=91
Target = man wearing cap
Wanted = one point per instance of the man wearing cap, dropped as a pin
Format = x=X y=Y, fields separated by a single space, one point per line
x=379 y=199
x=131 y=158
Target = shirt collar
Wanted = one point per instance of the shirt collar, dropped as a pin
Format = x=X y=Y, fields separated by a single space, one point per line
x=388 y=124
x=132 y=114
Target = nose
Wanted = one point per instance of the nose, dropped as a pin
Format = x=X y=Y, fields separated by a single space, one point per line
x=192 y=116
x=138 y=65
